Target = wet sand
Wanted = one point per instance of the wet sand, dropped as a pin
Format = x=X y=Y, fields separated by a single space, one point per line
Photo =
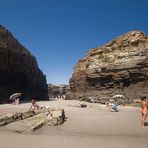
x=90 y=127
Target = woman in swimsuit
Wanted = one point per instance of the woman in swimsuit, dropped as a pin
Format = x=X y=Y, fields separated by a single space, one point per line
x=144 y=109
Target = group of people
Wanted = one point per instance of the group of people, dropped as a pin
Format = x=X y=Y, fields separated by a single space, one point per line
x=144 y=109
x=114 y=107
x=57 y=97
x=111 y=106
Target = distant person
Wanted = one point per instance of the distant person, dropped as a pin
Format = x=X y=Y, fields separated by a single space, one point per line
x=114 y=107
x=144 y=110
x=15 y=101
x=63 y=97
x=34 y=105
x=109 y=105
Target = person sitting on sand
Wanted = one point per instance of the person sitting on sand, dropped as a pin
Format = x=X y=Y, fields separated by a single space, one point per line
x=144 y=110
x=114 y=107
x=34 y=105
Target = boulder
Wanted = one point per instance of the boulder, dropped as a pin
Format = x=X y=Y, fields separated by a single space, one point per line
x=32 y=120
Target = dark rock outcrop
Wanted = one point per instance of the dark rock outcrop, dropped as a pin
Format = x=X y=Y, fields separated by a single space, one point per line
x=120 y=66
x=19 y=71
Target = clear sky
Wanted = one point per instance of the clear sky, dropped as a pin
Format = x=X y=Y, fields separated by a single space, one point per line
x=60 y=32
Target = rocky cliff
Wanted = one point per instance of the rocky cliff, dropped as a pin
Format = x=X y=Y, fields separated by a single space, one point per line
x=19 y=71
x=120 y=66
x=59 y=90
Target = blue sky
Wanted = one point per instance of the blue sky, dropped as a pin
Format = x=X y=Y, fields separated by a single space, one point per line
x=60 y=32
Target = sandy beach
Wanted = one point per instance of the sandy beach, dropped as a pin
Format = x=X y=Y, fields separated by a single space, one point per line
x=90 y=127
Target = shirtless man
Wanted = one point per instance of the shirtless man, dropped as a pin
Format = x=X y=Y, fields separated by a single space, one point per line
x=34 y=105
x=144 y=110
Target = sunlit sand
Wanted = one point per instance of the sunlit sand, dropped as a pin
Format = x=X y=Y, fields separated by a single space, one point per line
x=93 y=126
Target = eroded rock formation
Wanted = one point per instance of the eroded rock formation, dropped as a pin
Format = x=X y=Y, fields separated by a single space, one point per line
x=19 y=70
x=59 y=91
x=30 y=121
x=120 y=66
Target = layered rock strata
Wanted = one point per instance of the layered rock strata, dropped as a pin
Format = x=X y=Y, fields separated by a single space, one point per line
x=32 y=120
x=62 y=91
x=19 y=71
x=120 y=66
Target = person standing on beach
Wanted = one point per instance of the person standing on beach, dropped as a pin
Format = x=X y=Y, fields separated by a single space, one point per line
x=144 y=110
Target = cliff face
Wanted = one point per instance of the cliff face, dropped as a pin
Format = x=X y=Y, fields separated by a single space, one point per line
x=59 y=90
x=120 y=66
x=19 y=71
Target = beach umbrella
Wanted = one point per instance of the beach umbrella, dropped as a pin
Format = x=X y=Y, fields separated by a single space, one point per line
x=118 y=96
x=15 y=96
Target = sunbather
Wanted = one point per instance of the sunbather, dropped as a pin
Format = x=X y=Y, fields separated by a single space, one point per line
x=34 y=105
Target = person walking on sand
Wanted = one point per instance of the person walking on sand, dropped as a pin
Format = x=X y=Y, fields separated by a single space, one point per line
x=144 y=110
x=34 y=105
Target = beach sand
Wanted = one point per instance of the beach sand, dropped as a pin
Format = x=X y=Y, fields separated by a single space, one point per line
x=91 y=127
